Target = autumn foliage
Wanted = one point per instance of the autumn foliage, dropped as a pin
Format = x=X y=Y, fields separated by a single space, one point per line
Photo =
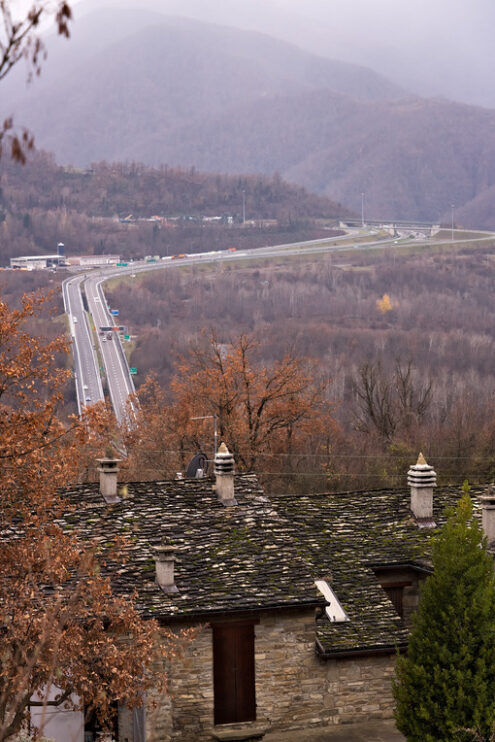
x=20 y=40
x=62 y=628
x=267 y=415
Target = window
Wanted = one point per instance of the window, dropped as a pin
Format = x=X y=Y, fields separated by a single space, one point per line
x=233 y=672
x=396 y=595
x=401 y=584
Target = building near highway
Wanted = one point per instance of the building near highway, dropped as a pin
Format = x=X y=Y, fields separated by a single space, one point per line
x=37 y=262
x=300 y=602
x=93 y=260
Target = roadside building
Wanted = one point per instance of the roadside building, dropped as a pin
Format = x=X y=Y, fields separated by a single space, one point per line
x=37 y=262
x=93 y=260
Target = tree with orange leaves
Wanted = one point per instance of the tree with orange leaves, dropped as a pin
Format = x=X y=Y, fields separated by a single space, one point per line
x=267 y=416
x=65 y=637
x=20 y=40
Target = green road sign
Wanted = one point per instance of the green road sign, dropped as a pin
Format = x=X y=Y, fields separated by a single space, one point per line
x=133 y=370
x=127 y=337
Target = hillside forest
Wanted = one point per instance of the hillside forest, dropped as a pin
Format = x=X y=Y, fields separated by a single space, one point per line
x=393 y=352
x=166 y=210
x=397 y=348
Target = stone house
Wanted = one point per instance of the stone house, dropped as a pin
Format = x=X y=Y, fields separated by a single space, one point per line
x=301 y=600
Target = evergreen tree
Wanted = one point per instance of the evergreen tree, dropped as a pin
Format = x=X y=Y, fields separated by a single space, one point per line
x=445 y=686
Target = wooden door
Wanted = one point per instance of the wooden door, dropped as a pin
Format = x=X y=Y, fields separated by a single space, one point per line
x=233 y=672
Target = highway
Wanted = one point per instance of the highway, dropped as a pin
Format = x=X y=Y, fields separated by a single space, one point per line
x=119 y=380
x=87 y=377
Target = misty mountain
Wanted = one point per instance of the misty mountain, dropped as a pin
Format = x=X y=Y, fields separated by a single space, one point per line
x=128 y=75
x=137 y=86
x=412 y=158
x=443 y=48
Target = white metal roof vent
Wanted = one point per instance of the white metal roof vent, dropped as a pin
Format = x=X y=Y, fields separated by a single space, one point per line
x=334 y=610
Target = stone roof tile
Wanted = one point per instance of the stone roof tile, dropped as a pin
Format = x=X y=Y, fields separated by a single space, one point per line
x=264 y=552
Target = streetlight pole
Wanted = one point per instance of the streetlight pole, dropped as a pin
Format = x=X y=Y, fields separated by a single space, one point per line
x=362 y=210
x=215 y=431
x=243 y=206
x=452 y=222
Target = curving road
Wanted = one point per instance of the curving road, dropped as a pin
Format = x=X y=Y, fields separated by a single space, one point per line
x=119 y=380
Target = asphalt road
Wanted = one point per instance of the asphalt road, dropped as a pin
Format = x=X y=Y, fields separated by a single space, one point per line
x=119 y=381
x=86 y=370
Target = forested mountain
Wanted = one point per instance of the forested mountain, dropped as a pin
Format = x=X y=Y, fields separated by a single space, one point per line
x=411 y=157
x=432 y=49
x=129 y=80
x=42 y=203
x=133 y=85
x=414 y=372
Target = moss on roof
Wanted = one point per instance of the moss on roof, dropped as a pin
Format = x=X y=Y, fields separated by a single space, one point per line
x=264 y=552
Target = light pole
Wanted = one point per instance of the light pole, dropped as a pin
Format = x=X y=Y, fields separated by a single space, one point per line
x=452 y=222
x=243 y=206
x=215 y=432
x=362 y=210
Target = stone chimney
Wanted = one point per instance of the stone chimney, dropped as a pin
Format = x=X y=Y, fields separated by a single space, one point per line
x=421 y=478
x=224 y=476
x=488 y=516
x=164 y=563
x=108 y=470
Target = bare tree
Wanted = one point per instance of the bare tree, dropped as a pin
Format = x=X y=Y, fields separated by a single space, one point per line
x=389 y=401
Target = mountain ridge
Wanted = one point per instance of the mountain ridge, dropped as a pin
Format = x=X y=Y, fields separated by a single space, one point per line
x=192 y=94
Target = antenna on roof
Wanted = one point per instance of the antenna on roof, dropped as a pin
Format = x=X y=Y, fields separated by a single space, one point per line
x=197 y=467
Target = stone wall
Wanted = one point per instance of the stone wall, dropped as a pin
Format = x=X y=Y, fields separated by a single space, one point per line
x=294 y=688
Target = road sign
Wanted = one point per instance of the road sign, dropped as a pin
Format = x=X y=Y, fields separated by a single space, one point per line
x=114 y=312
x=127 y=337
x=133 y=370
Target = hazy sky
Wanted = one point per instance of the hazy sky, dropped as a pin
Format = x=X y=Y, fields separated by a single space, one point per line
x=436 y=47
x=432 y=47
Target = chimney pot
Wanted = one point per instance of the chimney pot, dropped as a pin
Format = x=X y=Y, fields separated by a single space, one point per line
x=164 y=563
x=224 y=476
x=421 y=478
x=108 y=470
x=488 y=515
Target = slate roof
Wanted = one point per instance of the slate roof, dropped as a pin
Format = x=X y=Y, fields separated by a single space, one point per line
x=348 y=534
x=264 y=553
x=227 y=558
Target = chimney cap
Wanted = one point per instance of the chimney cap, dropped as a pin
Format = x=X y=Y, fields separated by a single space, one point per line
x=164 y=551
x=488 y=497
x=421 y=474
x=108 y=463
